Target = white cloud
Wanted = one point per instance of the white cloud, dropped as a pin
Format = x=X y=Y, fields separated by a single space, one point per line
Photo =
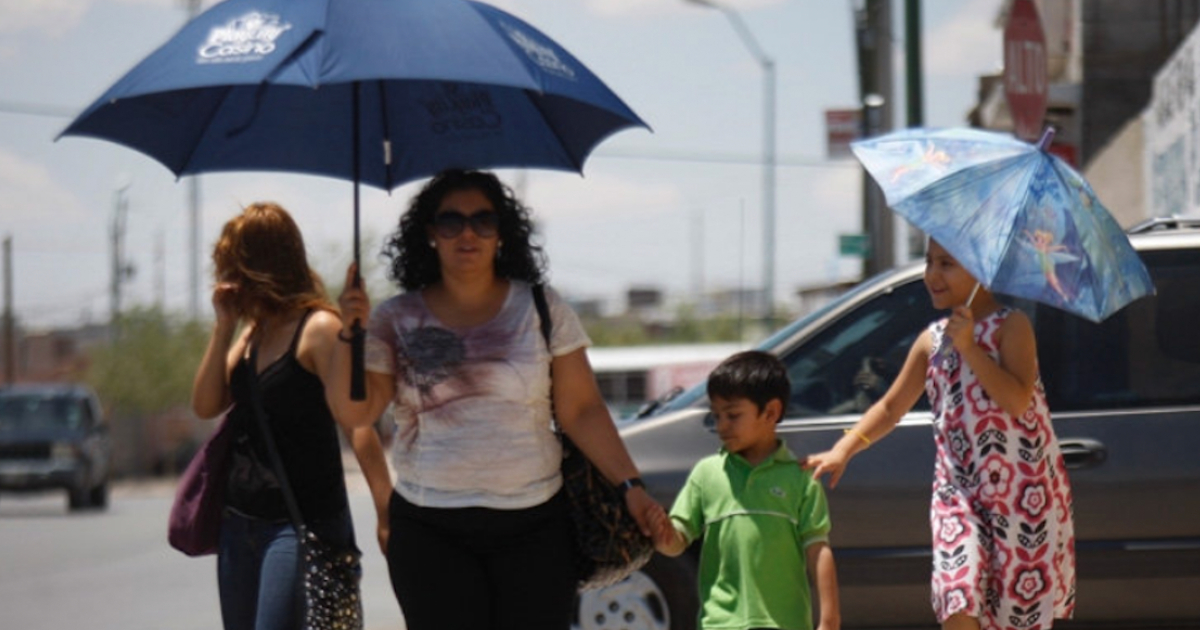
x=55 y=17
x=30 y=193
x=599 y=194
x=656 y=8
x=966 y=42
x=51 y=16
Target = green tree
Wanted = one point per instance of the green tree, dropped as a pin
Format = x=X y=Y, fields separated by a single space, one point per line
x=148 y=368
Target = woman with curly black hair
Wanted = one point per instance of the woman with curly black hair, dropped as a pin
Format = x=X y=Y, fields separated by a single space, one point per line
x=482 y=535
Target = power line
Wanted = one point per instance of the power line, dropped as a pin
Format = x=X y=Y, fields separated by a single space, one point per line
x=681 y=155
x=37 y=109
x=720 y=158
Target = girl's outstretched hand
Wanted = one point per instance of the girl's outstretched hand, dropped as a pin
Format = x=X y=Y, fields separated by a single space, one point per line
x=831 y=462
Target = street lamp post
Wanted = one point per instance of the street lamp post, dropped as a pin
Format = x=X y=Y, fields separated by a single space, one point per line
x=768 y=158
x=194 y=224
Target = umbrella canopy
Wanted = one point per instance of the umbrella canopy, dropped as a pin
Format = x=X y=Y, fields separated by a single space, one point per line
x=401 y=88
x=1019 y=219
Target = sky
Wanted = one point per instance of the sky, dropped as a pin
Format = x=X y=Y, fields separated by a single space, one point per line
x=678 y=207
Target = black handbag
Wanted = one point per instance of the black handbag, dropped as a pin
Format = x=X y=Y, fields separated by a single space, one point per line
x=608 y=544
x=330 y=582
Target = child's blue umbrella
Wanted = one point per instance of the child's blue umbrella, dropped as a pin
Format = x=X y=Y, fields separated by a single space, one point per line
x=380 y=92
x=1019 y=219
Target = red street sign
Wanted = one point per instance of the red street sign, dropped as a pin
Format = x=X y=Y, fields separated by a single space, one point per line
x=842 y=126
x=1025 y=69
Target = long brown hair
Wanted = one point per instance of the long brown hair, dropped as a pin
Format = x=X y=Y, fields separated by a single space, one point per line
x=261 y=250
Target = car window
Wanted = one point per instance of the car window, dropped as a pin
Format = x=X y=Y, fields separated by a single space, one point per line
x=1147 y=354
x=850 y=364
x=22 y=413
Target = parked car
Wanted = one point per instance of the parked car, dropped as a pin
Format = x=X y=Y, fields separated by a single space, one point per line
x=1125 y=401
x=54 y=436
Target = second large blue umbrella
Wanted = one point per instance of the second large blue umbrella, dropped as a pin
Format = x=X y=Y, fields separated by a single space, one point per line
x=380 y=92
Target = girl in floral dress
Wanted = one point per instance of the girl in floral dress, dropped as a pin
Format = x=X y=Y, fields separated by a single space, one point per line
x=1003 y=535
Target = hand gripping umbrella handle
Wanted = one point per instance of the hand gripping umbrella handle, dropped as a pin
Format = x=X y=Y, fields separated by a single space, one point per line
x=358 y=381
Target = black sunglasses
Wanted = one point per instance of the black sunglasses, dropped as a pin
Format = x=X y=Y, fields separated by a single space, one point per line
x=451 y=223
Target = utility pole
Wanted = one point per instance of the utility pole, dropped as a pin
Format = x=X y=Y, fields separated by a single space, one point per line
x=121 y=270
x=160 y=272
x=873 y=29
x=913 y=76
x=193 y=9
x=10 y=337
x=914 y=80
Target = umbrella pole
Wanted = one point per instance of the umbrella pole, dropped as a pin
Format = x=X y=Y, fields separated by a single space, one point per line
x=358 y=385
x=971 y=298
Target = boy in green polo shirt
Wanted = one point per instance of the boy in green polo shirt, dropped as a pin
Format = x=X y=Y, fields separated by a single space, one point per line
x=763 y=519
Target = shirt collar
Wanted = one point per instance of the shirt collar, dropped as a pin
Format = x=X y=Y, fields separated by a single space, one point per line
x=782 y=454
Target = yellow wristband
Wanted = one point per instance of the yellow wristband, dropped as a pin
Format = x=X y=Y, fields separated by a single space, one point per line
x=860 y=435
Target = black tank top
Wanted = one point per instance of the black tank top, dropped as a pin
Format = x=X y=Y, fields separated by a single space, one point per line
x=305 y=434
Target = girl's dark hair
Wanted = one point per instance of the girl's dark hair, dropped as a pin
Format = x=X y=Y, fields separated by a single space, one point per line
x=261 y=250
x=757 y=376
x=414 y=264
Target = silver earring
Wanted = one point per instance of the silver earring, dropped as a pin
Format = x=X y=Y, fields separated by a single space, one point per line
x=432 y=244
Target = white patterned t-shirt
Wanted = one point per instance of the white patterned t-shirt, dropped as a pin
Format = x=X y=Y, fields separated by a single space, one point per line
x=472 y=405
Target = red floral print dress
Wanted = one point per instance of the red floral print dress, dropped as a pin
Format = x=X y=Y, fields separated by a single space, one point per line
x=1003 y=535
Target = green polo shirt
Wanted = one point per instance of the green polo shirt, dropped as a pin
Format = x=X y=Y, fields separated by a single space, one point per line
x=756 y=522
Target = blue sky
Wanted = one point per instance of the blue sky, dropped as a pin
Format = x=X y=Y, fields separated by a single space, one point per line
x=632 y=219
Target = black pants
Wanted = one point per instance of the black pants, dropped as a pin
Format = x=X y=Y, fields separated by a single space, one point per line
x=482 y=569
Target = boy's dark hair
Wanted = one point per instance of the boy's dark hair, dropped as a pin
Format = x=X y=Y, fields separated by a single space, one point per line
x=757 y=376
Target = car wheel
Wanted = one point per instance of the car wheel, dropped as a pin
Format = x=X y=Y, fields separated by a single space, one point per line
x=661 y=596
x=98 y=497
x=78 y=498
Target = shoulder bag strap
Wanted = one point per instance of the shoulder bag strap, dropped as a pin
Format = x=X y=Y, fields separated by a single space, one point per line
x=547 y=325
x=543 y=311
x=260 y=414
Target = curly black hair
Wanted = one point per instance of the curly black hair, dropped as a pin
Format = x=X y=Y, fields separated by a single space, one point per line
x=413 y=263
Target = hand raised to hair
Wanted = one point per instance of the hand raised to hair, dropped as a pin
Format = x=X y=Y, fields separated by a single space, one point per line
x=224 y=301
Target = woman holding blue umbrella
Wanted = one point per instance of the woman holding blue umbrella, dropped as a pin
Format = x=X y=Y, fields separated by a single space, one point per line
x=1003 y=531
x=479 y=534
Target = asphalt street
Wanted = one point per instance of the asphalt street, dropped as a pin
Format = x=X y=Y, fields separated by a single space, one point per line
x=114 y=569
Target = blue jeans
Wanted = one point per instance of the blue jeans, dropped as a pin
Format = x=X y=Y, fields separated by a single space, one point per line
x=258 y=569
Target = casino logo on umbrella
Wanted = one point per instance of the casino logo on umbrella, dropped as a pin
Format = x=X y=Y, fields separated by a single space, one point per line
x=247 y=38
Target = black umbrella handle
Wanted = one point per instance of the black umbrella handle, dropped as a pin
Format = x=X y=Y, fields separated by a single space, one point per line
x=358 y=378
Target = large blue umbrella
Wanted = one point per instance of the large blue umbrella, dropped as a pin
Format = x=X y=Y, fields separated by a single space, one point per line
x=279 y=85
x=380 y=92
x=1021 y=220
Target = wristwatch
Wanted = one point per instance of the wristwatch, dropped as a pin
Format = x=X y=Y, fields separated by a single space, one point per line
x=628 y=484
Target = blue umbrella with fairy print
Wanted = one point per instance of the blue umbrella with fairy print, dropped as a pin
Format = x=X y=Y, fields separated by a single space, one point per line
x=1019 y=219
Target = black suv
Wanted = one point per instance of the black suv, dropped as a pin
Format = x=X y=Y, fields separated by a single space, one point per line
x=1125 y=399
x=54 y=436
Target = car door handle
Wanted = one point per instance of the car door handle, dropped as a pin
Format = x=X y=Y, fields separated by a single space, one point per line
x=1083 y=452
